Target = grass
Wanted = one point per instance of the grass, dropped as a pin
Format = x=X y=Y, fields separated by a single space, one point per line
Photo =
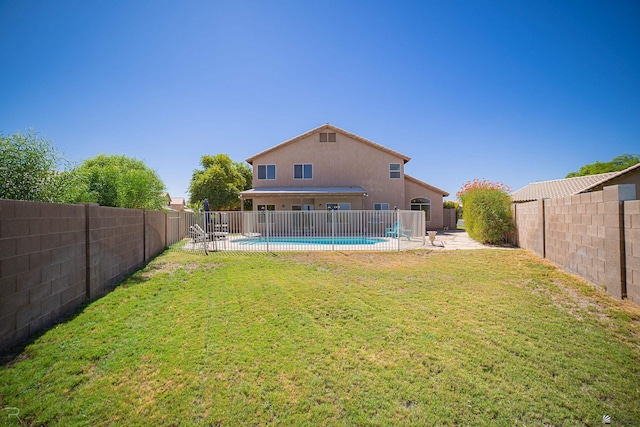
x=491 y=337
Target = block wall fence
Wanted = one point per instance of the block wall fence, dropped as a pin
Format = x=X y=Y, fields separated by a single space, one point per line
x=450 y=219
x=593 y=235
x=54 y=257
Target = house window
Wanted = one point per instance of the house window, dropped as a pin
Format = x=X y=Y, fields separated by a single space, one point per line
x=422 y=204
x=338 y=206
x=394 y=170
x=266 y=171
x=340 y=217
x=381 y=206
x=327 y=137
x=262 y=213
x=303 y=171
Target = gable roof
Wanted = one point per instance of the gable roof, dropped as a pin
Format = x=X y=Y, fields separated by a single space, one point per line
x=328 y=126
x=424 y=184
x=566 y=187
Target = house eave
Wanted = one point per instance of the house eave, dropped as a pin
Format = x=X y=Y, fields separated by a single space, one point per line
x=336 y=129
x=424 y=184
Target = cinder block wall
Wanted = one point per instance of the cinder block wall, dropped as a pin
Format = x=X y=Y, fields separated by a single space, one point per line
x=575 y=237
x=42 y=265
x=592 y=235
x=530 y=231
x=450 y=219
x=116 y=240
x=155 y=232
x=632 y=248
x=53 y=257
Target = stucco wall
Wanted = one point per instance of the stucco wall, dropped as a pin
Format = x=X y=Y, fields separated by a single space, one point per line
x=318 y=203
x=346 y=162
x=632 y=177
x=413 y=190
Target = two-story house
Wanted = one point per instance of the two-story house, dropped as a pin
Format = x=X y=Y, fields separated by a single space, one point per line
x=330 y=168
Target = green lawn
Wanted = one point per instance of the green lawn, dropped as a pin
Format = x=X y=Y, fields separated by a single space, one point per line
x=469 y=338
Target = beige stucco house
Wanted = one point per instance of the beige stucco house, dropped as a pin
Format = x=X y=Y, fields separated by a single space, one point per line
x=330 y=168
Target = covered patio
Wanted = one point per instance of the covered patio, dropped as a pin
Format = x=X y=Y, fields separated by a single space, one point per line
x=306 y=198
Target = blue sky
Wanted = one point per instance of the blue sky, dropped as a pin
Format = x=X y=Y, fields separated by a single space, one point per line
x=511 y=91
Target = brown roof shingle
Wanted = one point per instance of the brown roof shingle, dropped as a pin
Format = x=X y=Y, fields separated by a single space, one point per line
x=566 y=187
x=559 y=187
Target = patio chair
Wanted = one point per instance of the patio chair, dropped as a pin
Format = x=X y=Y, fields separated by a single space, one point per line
x=218 y=235
x=396 y=230
x=393 y=230
x=197 y=234
x=406 y=232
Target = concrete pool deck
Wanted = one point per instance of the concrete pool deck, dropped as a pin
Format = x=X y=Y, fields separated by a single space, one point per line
x=445 y=240
x=455 y=239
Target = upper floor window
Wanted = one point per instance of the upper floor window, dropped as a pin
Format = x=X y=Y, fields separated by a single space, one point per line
x=381 y=206
x=394 y=170
x=266 y=171
x=303 y=171
x=327 y=137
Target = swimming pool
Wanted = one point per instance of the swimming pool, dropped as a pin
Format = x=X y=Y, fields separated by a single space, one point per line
x=314 y=240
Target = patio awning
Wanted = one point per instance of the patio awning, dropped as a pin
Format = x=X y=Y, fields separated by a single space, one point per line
x=303 y=192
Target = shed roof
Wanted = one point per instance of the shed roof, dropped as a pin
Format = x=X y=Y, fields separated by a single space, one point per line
x=566 y=187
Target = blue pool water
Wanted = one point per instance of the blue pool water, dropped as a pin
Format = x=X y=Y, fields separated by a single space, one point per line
x=315 y=240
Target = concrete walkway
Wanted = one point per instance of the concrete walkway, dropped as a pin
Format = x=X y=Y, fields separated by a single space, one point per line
x=455 y=239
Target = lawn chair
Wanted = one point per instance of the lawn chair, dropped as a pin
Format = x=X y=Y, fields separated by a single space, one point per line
x=396 y=230
x=393 y=230
x=198 y=235
x=406 y=232
x=213 y=235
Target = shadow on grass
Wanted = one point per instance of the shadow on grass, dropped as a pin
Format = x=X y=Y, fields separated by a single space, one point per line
x=15 y=353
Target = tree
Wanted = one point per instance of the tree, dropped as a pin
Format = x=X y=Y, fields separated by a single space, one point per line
x=121 y=181
x=617 y=164
x=31 y=168
x=221 y=181
x=486 y=210
x=27 y=168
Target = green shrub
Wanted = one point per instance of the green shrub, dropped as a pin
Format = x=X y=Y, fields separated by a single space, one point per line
x=486 y=211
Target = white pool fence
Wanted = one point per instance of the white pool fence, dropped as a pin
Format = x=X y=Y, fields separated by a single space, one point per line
x=270 y=231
